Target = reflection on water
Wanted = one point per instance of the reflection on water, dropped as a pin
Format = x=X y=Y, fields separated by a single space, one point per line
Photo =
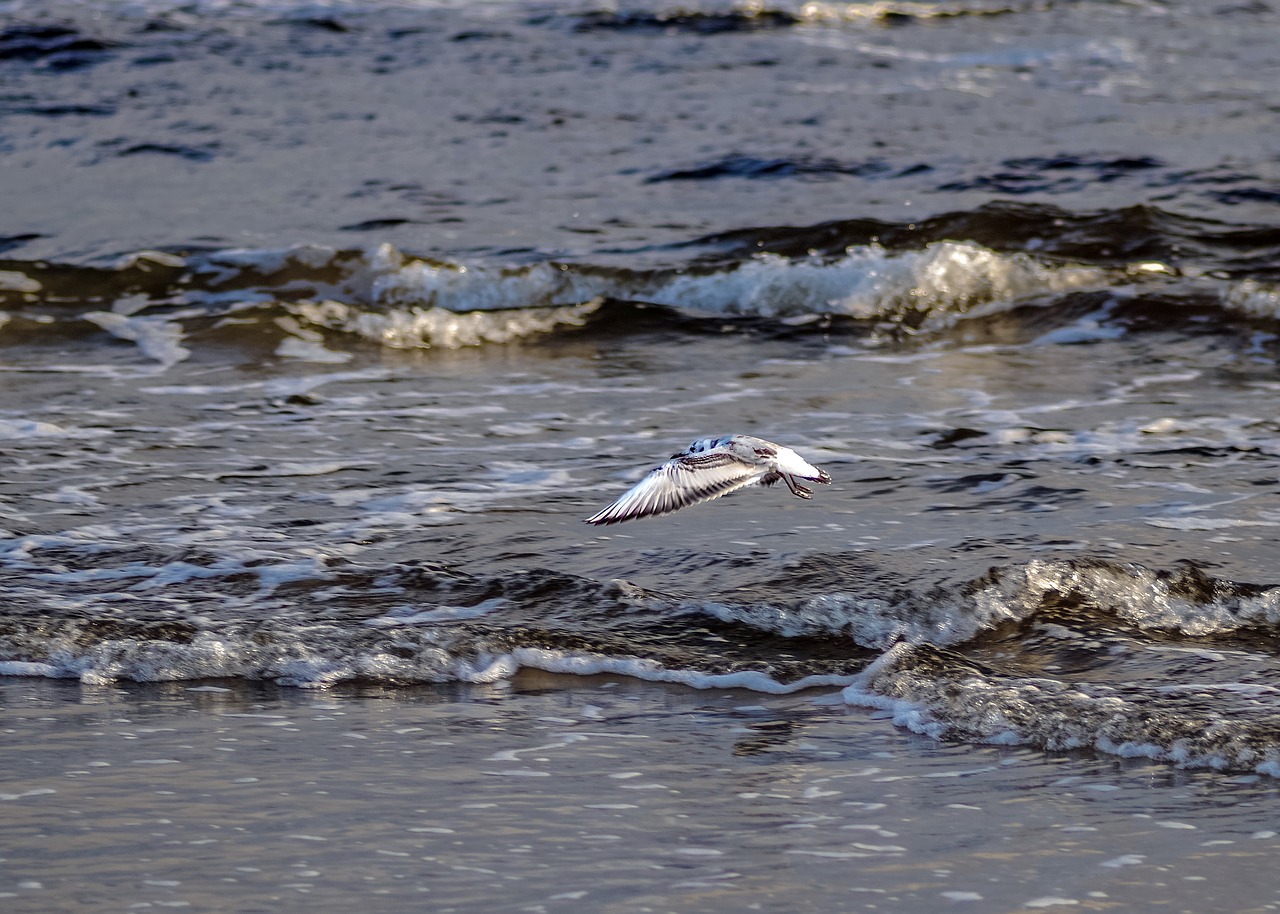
x=562 y=792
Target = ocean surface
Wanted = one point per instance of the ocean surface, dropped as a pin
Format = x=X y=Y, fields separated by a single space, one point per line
x=323 y=325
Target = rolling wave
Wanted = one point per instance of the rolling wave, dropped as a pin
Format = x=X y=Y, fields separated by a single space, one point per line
x=318 y=303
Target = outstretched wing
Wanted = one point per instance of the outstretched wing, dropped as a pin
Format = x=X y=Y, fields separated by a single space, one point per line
x=680 y=482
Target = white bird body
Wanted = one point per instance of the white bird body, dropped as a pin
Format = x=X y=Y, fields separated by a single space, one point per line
x=707 y=469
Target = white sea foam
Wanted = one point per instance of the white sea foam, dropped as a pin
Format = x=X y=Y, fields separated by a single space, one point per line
x=909 y=715
x=13 y=281
x=416 y=326
x=157 y=338
x=1253 y=298
x=401 y=281
x=922 y=694
x=1137 y=595
x=917 y=686
x=942 y=280
x=587 y=664
x=306 y=345
x=828 y=13
x=233 y=654
x=318 y=656
x=405 y=302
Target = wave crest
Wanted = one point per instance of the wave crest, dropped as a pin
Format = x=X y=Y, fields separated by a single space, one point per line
x=441 y=328
x=940 y=281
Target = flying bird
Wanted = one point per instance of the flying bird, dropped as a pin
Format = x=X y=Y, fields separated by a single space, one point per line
x=707 y=469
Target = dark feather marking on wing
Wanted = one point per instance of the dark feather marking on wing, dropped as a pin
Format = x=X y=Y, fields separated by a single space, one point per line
x=708 y=461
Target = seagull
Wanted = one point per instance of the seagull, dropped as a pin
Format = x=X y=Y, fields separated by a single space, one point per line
x=707 y=469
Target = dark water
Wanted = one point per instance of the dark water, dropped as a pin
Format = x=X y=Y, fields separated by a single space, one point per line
x=322 y=326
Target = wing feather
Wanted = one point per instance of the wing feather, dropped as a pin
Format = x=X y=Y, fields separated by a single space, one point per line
x=678 y=483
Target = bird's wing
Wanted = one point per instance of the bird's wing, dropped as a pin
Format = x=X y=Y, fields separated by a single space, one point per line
x=678 y=483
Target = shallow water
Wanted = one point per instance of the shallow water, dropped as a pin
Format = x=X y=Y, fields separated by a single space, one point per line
x=322 y=326
x=600 y=794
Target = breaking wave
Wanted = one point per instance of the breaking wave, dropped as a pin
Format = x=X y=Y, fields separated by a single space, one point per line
x=1013 y=656
x=1206 y=724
